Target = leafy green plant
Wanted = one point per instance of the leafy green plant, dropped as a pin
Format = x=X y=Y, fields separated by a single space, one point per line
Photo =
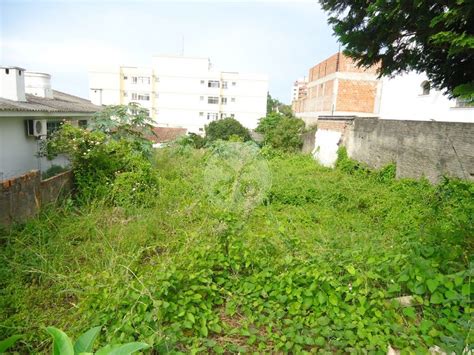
x=99 y=160
x=9 y=342
x=63 y=345
x=318 y=265
x=126 y=122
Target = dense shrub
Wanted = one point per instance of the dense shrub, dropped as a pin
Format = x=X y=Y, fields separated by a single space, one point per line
x=281 y=131
x=226 y=128
x=105 y=160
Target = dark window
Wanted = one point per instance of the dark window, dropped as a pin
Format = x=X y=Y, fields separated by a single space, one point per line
x=82 y=123
x=7 y=70
x=53 y=126
x=425 y=88
x=212 y=100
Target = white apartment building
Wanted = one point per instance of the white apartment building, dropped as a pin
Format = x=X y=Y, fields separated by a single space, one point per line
x=183 y=92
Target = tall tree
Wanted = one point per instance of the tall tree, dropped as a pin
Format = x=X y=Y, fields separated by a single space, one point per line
x=432 y=36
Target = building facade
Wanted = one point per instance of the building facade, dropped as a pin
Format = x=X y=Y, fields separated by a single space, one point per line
x=30 y=110
x=337 y=87
x=183 y=92
x=299 y=90
x=410 y=97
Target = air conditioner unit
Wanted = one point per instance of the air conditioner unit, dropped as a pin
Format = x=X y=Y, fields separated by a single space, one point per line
x=36 y=128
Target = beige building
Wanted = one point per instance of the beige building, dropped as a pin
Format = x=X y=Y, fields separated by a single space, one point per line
x=337 y=87
x=183 y=92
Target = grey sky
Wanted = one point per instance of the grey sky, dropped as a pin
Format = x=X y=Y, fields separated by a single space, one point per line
x=64 y=38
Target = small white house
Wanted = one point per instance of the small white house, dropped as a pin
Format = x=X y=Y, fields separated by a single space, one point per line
x=29 y=111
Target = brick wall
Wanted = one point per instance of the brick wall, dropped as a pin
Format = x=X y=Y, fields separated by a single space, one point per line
x=22 y=197
x=338 y=62
x=355 y=93
x=356 y=96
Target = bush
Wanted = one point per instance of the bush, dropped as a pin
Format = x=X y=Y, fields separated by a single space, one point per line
x=226 y=128
x=99 y=160
x=281 y=132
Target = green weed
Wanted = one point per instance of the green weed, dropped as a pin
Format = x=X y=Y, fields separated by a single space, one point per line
x=316 y=266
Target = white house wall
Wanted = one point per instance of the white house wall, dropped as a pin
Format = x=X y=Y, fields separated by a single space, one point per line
x=17 y=151
x=402 y=99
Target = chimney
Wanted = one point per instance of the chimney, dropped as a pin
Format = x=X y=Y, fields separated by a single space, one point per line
x=38 y=84
x=12 y=83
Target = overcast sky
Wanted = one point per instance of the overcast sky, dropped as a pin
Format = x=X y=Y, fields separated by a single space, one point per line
x=64 y=38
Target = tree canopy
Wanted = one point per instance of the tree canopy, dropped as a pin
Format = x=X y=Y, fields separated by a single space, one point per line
x=225 y=129
x=435 y=37
x=281 y=131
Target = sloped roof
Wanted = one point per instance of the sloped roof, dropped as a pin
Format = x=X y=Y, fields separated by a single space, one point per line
x=61 y=102
x=167 y=134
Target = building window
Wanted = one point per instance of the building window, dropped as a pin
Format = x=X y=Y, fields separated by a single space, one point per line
x=212 y=116
x=125 y=77
x=232 y=99
x=140 y=97
x=213 y=84
x=201 y=114
x=82 y=123
x=125 y=94
x=212 y=100
x=425 y=88
x=232 y=115
x=7 y=71
x=200 y=129
x=202 y=82
x=53 y=126
x=224 y=84
x=140 y=80
x=224 y=100
x=234 y=83
x=201 y=98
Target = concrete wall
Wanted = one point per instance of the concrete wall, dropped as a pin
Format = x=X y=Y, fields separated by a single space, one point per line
x=419 y=148
x=21 y=198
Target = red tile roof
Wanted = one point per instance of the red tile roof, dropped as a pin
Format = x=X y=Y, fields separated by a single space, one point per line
x=167 y=134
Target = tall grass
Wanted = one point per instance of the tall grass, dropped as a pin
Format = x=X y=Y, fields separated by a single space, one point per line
x=159 y=274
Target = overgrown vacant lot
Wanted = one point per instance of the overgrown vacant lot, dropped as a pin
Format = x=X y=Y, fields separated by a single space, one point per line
x=315 y=267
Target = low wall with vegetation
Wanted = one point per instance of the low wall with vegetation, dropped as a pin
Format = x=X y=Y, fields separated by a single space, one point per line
x=22 y=197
